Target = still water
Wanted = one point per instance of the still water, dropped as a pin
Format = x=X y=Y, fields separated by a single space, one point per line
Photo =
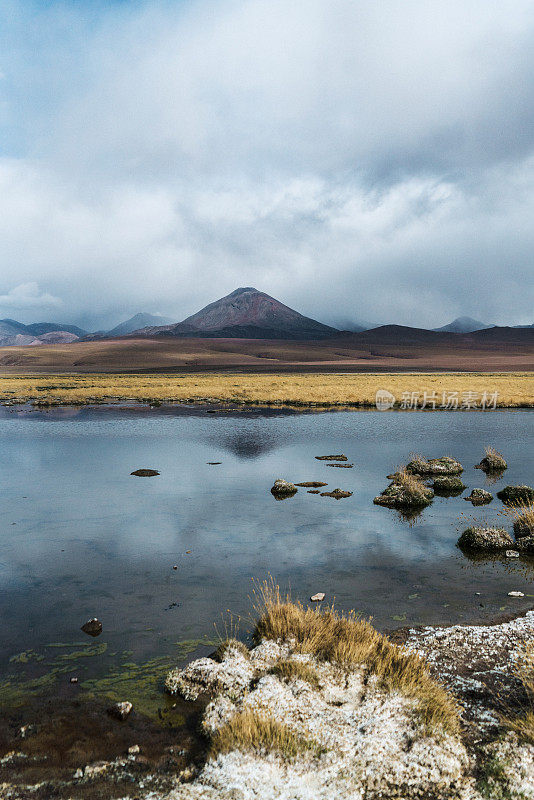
x=80 y=537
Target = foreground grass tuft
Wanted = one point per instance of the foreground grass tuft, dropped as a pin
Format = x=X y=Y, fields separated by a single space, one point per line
x=296 y=670
x=523 y=515
x=251 y=730
x=231 y=644
x=349 y=641
x=523 y=724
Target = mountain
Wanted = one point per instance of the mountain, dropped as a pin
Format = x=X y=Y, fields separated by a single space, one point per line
x=39 y=328
x=247 y=313
x=138 y=322
x=463 y=325
x=16 y=334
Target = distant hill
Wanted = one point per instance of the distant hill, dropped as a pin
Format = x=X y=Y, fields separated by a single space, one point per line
x=138 y=322
x=464 y=325
x=16 y=334
x=39 y=328
x=247 y=313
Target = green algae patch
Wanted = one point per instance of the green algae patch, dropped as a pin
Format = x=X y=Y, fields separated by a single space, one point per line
x=25 y=657
x=18 y=689
x=142 y=684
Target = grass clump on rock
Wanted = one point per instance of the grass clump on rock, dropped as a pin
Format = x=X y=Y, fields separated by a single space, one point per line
x=516 y=495
x=523 y=520
x=446 y=465
x=231 y=644
x=349 y=641
x=405 y=491
x=251 y=730
x=487 y=539
x=493 y=461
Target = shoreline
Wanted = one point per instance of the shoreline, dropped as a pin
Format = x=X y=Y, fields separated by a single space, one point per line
x=139 y=756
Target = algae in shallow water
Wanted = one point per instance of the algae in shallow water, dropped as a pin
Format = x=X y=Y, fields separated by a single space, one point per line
x=15 y=690
x=25 y=657
x=142 y=684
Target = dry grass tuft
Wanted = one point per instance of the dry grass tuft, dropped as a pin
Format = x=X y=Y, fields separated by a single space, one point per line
x=523 y=724
x=296 y=670
x=349 y=641
x=250 y=730
x=233 y=644
x=412 y=483
x=523 y=516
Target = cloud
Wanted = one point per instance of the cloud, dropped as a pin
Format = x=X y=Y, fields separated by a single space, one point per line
x=354 y=159
x=28 y=296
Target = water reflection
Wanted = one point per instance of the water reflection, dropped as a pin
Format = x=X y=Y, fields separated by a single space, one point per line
x=81 y=537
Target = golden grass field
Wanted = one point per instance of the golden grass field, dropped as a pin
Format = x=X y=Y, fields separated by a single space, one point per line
x=514 y=389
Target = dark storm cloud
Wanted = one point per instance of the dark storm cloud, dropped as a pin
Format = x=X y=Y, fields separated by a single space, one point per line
x=355 y=159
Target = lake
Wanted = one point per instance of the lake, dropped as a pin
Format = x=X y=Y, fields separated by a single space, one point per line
x=81 y=537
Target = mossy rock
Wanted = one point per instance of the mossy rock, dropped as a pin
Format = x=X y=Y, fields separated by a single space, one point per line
x=145 y=473
x=479 y=497
x=398 y=496
x=511 y=495
x=282 y=488
x=446 y=465
x=492 y=462
x=448 y=484
x=488 y=539
x=523 y=527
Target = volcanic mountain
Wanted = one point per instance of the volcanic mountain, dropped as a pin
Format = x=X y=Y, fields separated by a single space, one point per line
x=246 y=313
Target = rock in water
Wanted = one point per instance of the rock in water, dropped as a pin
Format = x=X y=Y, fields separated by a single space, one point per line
x=282 y=488
x=479 y=497
x=446 y=465
x=312 y=484
x=448 y=484
x=120 y=710
x=511 y=495
x=485 y=539
x=492 y=462
x=318 y=597
x=145 y=473
x=339 y=457
x=402 y=495
x=515 y=594
x=511 y=554
x=337 y=494
x=93 y=627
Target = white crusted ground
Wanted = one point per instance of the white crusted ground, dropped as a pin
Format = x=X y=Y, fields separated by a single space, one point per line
x=372 y=741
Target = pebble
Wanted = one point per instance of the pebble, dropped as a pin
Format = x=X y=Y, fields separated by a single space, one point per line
x=93 y=627
x=316 y=598
x=121 y=710
x=133 y=750
x=74 y=680
x=512 y=554
x=515 y=594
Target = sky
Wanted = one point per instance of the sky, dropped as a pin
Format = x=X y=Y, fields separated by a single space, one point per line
x=356 y=160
